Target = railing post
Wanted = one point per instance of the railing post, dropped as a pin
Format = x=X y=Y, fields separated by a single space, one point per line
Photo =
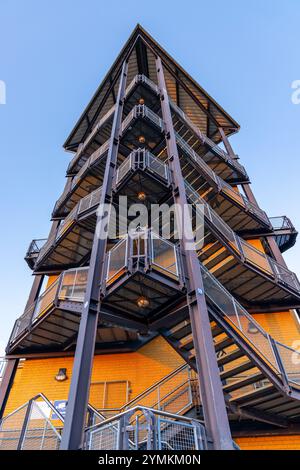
x=24 y=425
x=151 y=430
x=284 y=376
x=73 y=432
x=210 y=385
x=6 y=382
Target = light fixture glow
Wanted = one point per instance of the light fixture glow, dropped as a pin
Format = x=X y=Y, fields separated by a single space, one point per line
x=142 y=139
x=142 y=302
x=141 y=196
x=141 y=101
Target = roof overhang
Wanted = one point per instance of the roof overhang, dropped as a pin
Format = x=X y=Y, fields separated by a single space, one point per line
x=140 y=51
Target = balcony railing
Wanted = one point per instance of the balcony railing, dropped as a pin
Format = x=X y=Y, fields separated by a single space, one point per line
x=35 y=246
x=33 y=251
x=212 y=145
x=3 y=364
x=281 y=223
x=70 y=285
x=142 y=111
x=221 y=184
x=141 y=79
x=143 y=248
x=136 y=80
x=88 y=202
x=246 y=252
x=94 y=158
x=285 y=361
x=143 y=160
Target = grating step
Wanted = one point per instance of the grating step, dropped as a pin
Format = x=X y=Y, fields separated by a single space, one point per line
x=238 y=369
x=254 y=396
x=244 y=382
x=231 y=356
x=224 y=343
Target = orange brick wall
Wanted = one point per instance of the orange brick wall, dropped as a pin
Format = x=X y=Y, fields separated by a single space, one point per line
x=142 y=368
x=269 y=443
x=283 y=326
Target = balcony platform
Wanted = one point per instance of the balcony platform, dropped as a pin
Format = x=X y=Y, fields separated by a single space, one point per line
x=52 y=322
x=284 y=232
x=143 y=275
x=142 y=175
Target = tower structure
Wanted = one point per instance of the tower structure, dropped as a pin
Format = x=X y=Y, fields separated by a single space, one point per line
x=191 y=340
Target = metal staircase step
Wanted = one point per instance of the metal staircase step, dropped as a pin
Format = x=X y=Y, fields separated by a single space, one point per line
x=231 y=356
x=244 y=382
x=179 y=331
x=254 y=396
x=186 y=342
x=216 y=330
x=224 y=343
x=238 y=369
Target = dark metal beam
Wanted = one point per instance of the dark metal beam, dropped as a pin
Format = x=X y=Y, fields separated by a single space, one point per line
x=73 y=432
x=210 y=385
x=6 y=383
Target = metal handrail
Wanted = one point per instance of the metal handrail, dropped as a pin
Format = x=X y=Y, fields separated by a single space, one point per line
x=213 y=146
x=3 y=364
x=133 y=410
x=35 y=246
x=137 y=79
x=97 y=155
x=281 y=223
x=221 y=184
x=142 y=159
x=267 y=265
x=148 y=255
x=236 y=314
x=40 y=306
x=153 y=388
x=90 y=200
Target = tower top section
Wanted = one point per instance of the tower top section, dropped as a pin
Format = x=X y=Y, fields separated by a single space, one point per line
x=140 y=50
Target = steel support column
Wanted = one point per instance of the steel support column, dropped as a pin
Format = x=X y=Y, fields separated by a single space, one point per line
x=6 y=382
x=35 y=290
x=227 y=144
x=210 y=385
x=73 y=432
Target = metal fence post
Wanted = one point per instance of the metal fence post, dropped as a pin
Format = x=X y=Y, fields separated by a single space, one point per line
x=24 y=425
x=284 y=376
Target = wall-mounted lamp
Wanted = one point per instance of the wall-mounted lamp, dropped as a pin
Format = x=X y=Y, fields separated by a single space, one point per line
x=252 y=328
x=61 y=375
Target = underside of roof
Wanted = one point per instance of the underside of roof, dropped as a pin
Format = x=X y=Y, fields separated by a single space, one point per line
x=140 y=51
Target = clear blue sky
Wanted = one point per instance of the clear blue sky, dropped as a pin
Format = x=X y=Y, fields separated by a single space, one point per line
x=55 y=53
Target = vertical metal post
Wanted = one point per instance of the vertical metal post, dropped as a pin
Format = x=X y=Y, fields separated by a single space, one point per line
x=6 y=382
x=73 y=433
x=210 y=385
x=35 y=290
x=24 y=425
x=227 y=144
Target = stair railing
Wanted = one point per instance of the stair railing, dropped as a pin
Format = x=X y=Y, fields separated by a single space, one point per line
x=282 y=359
x=247 y=252
x=142 y=427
